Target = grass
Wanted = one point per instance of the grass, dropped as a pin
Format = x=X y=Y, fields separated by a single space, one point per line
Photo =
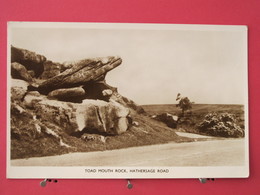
x=191 y=121
x=196 y=108
x=28 y=143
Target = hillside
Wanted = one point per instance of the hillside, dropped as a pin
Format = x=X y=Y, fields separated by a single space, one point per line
x=190 y=122
x=196 y=108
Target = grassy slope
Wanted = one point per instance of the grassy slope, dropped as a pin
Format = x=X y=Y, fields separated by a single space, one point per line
x=198 y=113
x=196 y=108
x=148 y=132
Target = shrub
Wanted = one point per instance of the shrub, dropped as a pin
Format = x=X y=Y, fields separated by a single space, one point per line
x=184 y=103
x=221 y=124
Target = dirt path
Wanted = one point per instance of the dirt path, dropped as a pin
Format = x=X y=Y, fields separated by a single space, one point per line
x=192 y=135
x=204 y=153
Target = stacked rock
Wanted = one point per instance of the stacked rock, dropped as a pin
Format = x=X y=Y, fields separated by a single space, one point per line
x=72 y=97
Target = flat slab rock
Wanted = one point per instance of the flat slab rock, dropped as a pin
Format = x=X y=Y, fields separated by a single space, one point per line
x=81 y=73
x=67 y=94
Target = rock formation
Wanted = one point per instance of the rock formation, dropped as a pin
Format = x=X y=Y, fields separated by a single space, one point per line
x=54 y=102
x=51 y=69
x=82 y=72
x=62 y=98
x=30 y=60
x=68 y=94
x=169 y=119
x=18 y=89
x=18 y=71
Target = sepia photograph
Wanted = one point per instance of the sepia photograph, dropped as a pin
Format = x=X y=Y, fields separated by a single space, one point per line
x=117 y=100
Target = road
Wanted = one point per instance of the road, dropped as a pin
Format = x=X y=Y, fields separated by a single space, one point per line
x=225 y=152
x=192 y=135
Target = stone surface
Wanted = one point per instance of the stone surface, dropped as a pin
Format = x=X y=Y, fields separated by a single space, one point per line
x=70 y=94
x=32 y=98
x=18 y=89
x=126 y=102
x=18 y=71
x=107 y=92
x=29 y=59
x=67 y=65
x=100 y=116
x=61 y=114
x=93 y=137
x=51 y=69
x=135 y=123
x=81 y=72
x=92 y=116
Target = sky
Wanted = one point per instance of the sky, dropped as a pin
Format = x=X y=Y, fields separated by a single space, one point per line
x=208 y=65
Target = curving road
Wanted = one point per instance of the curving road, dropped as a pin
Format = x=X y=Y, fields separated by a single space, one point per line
x=225 y=152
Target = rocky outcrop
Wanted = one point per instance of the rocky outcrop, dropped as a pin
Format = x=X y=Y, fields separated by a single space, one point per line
x=81 y=73
x=52 y=101
x=93 y=137
x=18 y=89
x=127 y=102
x=18 y=71
x=32 y=98
x=71 y=81
x=61 y=95
x=93 y=116
x=61 y=114
x=103 y=117
x=30 y=60
x=51 y=69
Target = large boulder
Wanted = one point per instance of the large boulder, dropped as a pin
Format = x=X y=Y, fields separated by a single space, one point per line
x=93 y=137
x=61 y=114
x=102 y=117
x=18 y=71
x=32 y=98
x=81 y=73
x=29 y=59
x=169 y=119
x=91 y=116
x=18 y=89
x=68 y=94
